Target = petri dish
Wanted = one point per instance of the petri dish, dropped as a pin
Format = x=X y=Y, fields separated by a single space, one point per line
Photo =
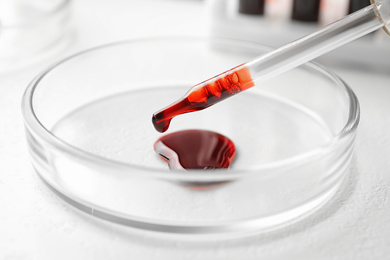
x=90 y=136
x=31 y=30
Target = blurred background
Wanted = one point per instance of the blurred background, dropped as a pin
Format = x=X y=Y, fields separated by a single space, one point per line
x=35 y=224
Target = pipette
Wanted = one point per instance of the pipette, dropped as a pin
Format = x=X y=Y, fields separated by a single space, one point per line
x=244 y=76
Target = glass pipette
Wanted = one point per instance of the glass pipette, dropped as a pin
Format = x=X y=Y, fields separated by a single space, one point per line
x=244 y=76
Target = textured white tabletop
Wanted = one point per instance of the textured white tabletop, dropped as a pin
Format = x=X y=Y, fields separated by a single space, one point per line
x=36 y=224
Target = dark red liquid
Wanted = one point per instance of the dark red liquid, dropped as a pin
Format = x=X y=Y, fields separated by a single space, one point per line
x=196 y=149
x=205 y=95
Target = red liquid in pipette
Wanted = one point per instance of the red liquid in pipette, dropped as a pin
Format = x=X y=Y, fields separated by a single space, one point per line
x=205 y=95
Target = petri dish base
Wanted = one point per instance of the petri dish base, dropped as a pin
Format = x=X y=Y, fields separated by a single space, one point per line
x=89 y=131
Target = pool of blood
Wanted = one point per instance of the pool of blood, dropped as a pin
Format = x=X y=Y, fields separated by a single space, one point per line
x=196 y=149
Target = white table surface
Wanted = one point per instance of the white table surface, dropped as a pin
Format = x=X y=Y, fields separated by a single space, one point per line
x=36 y=224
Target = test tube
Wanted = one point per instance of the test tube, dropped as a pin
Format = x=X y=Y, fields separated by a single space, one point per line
x=254 y=7
x=355 y=5
x=306 y=10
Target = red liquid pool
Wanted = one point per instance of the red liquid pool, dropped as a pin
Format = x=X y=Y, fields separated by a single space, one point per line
x=196 y=149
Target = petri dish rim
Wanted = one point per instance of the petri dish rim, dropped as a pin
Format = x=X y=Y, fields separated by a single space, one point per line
x=33 y=123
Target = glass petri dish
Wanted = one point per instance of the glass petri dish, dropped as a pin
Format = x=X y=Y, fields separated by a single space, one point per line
x=90 y=136
x=31 y=30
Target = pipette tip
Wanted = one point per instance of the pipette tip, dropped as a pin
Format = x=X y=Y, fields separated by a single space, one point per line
x=159 y=123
